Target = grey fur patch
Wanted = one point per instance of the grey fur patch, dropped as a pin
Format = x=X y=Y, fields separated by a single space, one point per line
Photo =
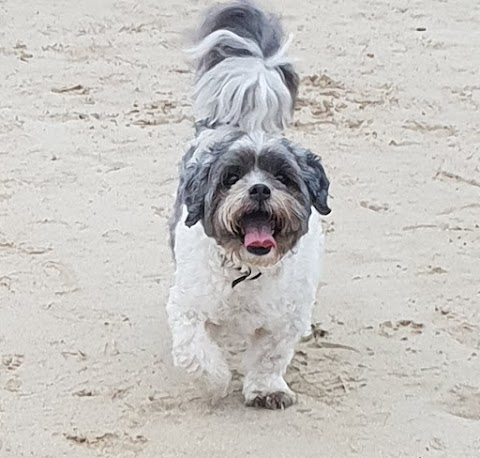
x=279 y=162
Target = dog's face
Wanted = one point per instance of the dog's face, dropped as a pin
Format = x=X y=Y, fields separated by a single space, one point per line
x=254 y=197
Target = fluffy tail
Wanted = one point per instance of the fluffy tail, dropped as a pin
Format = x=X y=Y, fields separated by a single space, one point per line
x=242 y=76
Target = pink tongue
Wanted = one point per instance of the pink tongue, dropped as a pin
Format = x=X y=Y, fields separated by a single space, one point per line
x=259 y=236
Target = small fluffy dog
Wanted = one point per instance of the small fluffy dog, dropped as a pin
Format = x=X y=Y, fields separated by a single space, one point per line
x=246 y=230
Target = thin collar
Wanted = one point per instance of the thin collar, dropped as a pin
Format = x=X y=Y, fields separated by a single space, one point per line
x=246 y=277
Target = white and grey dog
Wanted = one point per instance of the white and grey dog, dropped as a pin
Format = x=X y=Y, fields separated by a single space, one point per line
x=246 y=242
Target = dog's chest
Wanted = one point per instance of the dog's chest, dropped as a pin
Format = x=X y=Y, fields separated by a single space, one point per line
x=255 y=300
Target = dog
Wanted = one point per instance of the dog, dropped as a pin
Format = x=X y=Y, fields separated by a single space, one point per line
x=246 y=230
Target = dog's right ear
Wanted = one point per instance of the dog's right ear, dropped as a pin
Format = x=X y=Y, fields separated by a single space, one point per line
x=195 y=185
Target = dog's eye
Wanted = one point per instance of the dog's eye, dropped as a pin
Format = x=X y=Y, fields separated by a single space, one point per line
x=282 y=178
x=230 y=179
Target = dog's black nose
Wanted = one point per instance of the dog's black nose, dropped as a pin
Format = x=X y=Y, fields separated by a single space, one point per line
x=260 y=192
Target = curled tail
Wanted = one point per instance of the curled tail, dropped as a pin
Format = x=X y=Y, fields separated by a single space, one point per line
x=243 y=78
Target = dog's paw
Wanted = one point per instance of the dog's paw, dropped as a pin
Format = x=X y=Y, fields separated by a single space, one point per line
x=272 y=401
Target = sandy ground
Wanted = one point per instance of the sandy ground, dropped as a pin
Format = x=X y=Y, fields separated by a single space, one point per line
x=94 y=115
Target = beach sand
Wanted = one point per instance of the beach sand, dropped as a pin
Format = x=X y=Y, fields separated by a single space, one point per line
x=95 y=112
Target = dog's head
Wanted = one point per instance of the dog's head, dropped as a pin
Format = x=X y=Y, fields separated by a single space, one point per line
x=253 y=195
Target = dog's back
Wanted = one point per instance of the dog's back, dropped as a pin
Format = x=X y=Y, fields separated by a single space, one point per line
x=242 y=76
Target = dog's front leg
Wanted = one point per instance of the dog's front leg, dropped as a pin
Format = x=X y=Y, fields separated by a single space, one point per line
x=192 y=347
x=268 y=355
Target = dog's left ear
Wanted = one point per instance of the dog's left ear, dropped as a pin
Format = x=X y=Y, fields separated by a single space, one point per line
x=317 y=182
x=195 y=186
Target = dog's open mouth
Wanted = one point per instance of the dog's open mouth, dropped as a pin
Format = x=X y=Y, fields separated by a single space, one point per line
x=259 y=230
